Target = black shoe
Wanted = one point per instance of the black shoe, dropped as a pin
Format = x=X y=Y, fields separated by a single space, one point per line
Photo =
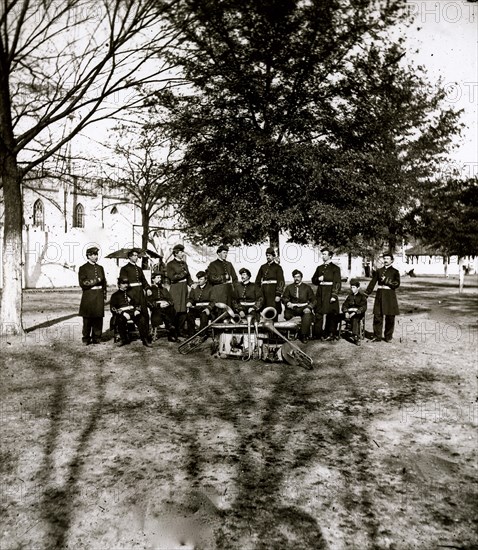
x=172 y=338
x=388 y=340
x=147 y=344
x=375 y=339
x=86 y=343
x=96 y=342
x=329 y=338
x=304 y=339
x=123 y=343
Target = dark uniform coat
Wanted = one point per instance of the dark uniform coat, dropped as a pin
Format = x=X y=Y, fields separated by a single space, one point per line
x=299 y=294
x=245 y=296
x=388 y=279
x=178 y=273
x=201 y=298
x=160 y=314
x=355 y=301
x=271 y=279
x=93 y=282
x=137 y=282
x=328 y=288
x=222 y=287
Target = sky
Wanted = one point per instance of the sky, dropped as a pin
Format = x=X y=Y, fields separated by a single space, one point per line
x=445 y=33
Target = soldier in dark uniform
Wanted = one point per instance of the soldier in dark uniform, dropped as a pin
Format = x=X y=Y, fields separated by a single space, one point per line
x=177 y=271
x=354 y=308
x=125 y=306
x=91 y=277
x=247 y=298
x=162 y=308
x=385 y=305
x=327 y=279
x=200 y=304
x=299 y=300
x=222 y=276
x=271 y=279
x=138 y=285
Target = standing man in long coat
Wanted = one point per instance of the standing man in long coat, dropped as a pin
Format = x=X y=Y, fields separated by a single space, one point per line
x=91 y=277
x=137 y=283
x=386 y=304
x=270 y=277
x=222 y=276
x=177 y=271
x=328 y=280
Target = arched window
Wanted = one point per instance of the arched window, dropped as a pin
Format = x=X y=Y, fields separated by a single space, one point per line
x=79 y=217
x=38 y=214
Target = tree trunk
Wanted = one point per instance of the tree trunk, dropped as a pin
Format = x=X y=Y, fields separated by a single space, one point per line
x=144 y=236
x=274 y=239
x=461 y=274
x=12 y=265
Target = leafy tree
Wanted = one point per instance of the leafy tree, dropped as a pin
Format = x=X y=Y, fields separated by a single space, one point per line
x=447 y=217
x=257 y=119
x=58 y=60
x=302 y=117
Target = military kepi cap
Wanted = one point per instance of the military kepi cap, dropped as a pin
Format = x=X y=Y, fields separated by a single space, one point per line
x=123 y=280
x=354 y=282
x=92 y=250
x=297 y=272
x=244 y=270
x=178 y=247
x=270 y=250
x=222 y=247
x=200 y=274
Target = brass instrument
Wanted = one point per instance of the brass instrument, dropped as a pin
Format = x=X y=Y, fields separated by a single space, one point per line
x=197 y=339
x=249 y=339
x=292 y=353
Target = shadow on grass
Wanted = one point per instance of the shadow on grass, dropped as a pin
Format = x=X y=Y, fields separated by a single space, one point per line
x=59 y=498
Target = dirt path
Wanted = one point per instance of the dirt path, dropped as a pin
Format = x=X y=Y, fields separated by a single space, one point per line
x=108 y=448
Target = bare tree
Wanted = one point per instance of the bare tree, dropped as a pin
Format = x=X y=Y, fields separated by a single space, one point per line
x=144 y=171
x=60 y=58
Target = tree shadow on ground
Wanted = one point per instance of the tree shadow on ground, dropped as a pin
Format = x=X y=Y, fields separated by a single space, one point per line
x=59 y=498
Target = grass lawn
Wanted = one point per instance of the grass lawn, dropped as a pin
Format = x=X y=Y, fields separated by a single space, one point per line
x=121 y=448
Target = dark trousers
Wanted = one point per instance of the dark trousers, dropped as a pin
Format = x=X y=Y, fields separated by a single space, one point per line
x=378 y=326
x=331 y=324
x=139 y=320
x=92 y=329
x=193 y=314
x=354 y=322
x=160 y=315
x=306 y=319
x=179 y=322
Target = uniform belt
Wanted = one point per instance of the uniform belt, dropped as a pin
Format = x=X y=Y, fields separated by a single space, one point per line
x=126 y=308
x=269 y=282
x=96 y=287
x=180 y=281
x=248 y=304
x=326 y=283
x=301 y=305
x=201 y=304
x=134 y=284
x=382 y=287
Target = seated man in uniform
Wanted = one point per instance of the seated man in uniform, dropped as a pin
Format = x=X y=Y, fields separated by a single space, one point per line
x=247 y=298
x=200 y=304
x=124 y=308
x=299 y=300
x=354 y=308
x=162 y=309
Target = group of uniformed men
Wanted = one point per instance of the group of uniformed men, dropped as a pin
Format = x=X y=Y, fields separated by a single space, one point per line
x=178 y=307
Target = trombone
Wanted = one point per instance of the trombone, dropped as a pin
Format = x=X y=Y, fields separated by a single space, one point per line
x=197 y=339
